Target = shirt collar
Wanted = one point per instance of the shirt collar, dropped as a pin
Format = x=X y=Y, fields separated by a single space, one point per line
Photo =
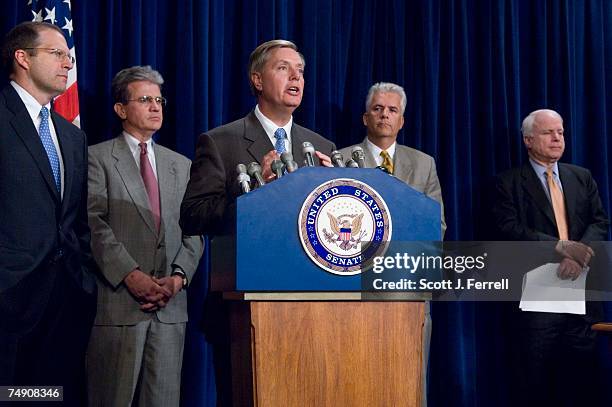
x=133 y=142
x=541 y=169
x=270 y=127
x=376 y=150
x=31 y=104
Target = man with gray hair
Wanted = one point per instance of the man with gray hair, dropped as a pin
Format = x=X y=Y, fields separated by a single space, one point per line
x=384 y=118
x=544 y=200
x=276 y=77
x=144 y=261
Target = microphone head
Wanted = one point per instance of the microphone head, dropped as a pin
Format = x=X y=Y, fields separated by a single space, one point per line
x=241 y=169
x=253 y=168
x=350 y=163
x=244 y=177
x=277 y=165
x=286 y=157
x=357 y=152
x=336 y=155
x=307 y=147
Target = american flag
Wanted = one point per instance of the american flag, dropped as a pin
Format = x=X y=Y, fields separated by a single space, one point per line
x=58 y=12
x=345 y=234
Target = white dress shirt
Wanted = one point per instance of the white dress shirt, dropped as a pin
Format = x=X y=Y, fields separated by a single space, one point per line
x=270 y=127
x=133 y=143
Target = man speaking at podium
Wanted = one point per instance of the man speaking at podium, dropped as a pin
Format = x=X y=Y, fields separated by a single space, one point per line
x=276 y=74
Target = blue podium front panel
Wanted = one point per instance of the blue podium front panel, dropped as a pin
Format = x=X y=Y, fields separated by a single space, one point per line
x=270 y=253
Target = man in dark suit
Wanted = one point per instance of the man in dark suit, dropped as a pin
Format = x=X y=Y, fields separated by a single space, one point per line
x=47 y=294
x=545 y=200
x=276 y=71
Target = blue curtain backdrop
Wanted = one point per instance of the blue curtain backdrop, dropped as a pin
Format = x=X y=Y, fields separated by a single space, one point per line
x=472 y=70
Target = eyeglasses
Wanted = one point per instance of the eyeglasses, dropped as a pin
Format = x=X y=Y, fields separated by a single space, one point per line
x=59 y=54
x=147 y=100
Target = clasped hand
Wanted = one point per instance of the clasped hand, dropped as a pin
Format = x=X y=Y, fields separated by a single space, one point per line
x=576 y=255
x=152 y=293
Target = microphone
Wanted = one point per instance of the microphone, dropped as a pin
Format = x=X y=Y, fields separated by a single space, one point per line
x=277 y=167
x=337 y=159
x=350 y=163
x=308 y=151
x=254 y=171
x=287 y=159
x=358 y=156
x=243 y=178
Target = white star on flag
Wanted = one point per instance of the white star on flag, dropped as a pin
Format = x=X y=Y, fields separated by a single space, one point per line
x=68 y=26
x=58 y=12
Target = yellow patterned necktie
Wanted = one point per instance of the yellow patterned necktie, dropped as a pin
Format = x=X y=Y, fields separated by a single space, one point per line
x=387 y=162
x=558 y=204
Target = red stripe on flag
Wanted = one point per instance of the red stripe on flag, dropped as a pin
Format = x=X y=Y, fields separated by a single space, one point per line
x=67 y=104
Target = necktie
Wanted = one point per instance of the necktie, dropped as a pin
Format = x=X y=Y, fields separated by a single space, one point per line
x=280 y=137
x=150 y=182
x=558 y=204
x=387 y=162
x=47 y=141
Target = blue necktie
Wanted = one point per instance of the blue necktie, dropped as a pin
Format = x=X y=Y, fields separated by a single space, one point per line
x=47 y=141
x=280 y=136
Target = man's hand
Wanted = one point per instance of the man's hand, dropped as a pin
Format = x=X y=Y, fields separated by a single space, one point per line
x=577 y=251
x=172 y=283
x=325 y=160
x=569 y=268
x=266 y=162
x=150 y=294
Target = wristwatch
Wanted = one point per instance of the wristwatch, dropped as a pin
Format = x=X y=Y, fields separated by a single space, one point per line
x=178 y=272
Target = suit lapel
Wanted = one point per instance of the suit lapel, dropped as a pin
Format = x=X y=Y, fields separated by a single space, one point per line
x=297 y=150
x=22 y=123
x=533 y=186
x=402 y=163
x=370 y=159
x=254 y=133
x=130 y=175
x=570 y=193
x=168 y=186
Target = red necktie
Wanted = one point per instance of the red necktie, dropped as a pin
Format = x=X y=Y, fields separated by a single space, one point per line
x=150 y=182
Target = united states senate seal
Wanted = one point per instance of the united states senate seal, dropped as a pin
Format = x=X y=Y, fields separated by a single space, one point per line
x=343 y=224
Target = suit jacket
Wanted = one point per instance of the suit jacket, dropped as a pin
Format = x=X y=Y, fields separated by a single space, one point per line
x=36 y=223
x=123 y=230
x=523 y=212
x=414 y=167
x=209 y=205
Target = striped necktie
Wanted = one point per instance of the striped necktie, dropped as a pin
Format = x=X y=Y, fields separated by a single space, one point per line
x=387 y=162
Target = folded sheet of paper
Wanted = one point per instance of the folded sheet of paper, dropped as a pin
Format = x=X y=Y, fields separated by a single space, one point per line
x=544 y=291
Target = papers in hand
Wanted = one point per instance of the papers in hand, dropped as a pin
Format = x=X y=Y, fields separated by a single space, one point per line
x=544 y=291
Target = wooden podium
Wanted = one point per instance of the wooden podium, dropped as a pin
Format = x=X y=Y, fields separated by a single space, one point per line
x=302 y=336
x=326 y=349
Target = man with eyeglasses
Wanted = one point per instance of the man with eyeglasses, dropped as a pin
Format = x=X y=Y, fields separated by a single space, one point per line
x=144 y=261
x=47 y=292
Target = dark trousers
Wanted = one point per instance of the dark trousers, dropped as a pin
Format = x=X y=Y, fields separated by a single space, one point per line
x=557 y=362
x=52 y=352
